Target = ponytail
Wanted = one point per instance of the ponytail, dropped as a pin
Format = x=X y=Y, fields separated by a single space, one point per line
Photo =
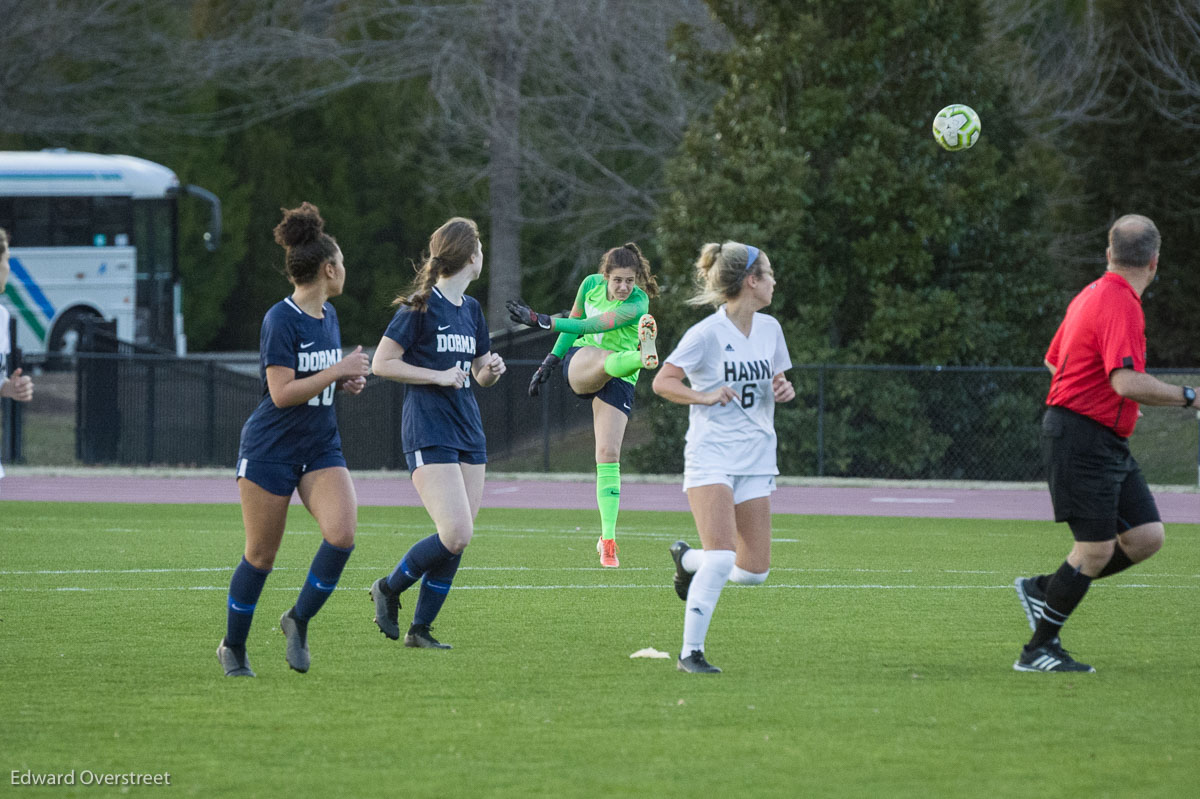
x=451 y=248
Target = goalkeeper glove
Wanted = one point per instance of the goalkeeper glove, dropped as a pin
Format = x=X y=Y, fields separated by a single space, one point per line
x=543 y=373
x=522 y=314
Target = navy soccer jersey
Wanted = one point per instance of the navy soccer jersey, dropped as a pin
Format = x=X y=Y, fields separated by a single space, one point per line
x=442 y=336
x=301 y=433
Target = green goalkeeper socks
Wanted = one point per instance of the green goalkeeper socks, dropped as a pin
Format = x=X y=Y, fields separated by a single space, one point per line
x=608 y=496
x=623 y=364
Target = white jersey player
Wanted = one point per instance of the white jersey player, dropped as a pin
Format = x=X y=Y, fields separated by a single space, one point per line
x=734 y=363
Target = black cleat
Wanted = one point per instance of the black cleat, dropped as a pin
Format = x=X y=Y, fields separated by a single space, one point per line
x=419 y=637
x=235 y=663
x=1033 y=599
x=696 y=664
x=387 y=608
x=1049 y=657
x=296 y=632
x=683 y=577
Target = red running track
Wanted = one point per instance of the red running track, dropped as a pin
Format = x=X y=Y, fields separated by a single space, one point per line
x=876 y=500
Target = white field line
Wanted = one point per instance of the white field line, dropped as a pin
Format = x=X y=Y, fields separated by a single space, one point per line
x=504 y=532
x=388 y=566
x=599 y=587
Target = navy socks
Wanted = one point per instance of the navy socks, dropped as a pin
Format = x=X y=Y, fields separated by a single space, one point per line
x=423 y=556
x=244 y=590
x=434 y=588
x=323 y=577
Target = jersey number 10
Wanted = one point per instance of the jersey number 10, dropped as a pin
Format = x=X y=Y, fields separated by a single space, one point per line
x=325 y=397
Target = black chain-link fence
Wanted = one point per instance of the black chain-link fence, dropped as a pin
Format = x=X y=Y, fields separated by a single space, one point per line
x=139 y=409
x=968 y=423
x=931 y=423
x=906 y=422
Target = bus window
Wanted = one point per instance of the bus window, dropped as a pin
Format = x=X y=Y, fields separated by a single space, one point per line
x=111 y=223
x=72 y=222
x=31 y=222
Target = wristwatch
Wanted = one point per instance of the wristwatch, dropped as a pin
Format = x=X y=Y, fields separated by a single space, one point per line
x=1189 y=396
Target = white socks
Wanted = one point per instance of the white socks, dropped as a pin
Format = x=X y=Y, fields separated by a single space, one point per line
x=710 y=578
x=692 y=559
x=743 y=577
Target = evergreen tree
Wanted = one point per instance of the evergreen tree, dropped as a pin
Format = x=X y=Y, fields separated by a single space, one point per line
x=887 y=249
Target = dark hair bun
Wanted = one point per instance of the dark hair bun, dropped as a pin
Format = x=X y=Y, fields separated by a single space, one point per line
x=302 y=225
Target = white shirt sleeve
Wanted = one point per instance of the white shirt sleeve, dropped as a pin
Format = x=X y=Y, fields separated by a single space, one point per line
x=782 y=361
x=689 y=353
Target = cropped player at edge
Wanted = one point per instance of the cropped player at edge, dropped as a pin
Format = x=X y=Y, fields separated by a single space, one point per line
x=291 y=441
x=610 y=313
x=734 y=361
x=18 y=387
x=435 y=343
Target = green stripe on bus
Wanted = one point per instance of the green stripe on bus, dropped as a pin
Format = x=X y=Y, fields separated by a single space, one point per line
x=23 y=309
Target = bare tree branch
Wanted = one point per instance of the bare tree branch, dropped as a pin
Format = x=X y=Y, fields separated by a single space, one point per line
x=1059 y=66
x=1171 y=46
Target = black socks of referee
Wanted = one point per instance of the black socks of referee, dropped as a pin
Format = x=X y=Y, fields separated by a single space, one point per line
x=1064 y=592
x=1118 y=563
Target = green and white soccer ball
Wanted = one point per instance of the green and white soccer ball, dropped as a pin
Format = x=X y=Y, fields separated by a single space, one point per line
x=956 y=127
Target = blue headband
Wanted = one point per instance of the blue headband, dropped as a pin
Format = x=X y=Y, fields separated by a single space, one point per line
x=751 y=256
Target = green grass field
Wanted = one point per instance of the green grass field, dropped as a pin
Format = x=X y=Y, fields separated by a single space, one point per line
x=875 y=662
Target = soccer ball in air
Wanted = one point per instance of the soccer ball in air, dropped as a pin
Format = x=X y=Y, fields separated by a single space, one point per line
x=956 y=127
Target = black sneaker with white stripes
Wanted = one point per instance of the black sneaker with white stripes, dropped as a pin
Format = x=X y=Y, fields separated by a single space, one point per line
x=1033 y=599
x=1049 y=657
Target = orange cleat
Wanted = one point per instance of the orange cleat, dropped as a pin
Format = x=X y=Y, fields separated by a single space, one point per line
x=607 y=547
x=647 y=332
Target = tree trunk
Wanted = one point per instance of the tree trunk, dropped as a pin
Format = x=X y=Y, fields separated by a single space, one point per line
x=506 y=66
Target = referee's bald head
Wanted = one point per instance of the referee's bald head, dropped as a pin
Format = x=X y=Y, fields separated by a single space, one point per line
x=1133 y=242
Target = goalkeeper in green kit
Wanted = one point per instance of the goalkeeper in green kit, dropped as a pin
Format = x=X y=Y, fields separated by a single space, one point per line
x=610 y=314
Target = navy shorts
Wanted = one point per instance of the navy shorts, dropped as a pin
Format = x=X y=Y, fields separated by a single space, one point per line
x=420 y=457
x=282 y=478
x=1096 y=485
x=617 y=392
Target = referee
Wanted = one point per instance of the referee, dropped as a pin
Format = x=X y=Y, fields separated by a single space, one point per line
x=1097 y=361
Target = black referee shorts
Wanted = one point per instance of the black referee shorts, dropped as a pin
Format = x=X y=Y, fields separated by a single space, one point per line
x=1096 y=485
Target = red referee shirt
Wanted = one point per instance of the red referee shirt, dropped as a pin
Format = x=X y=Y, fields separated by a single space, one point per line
x=1104 y=329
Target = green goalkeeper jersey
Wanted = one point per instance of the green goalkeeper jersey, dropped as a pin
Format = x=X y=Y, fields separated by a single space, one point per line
x=604 y=323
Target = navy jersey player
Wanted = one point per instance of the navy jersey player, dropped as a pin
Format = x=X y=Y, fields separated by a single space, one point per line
x=291 y=441
x=438 y=344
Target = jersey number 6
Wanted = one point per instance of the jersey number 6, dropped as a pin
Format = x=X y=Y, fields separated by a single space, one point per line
x=748 y=395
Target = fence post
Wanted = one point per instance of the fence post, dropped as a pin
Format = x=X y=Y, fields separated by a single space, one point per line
x=97 y=411
x=211 y=410
x=546 y=428
x=151 y=411
x=397 y=453
x=821 y=421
